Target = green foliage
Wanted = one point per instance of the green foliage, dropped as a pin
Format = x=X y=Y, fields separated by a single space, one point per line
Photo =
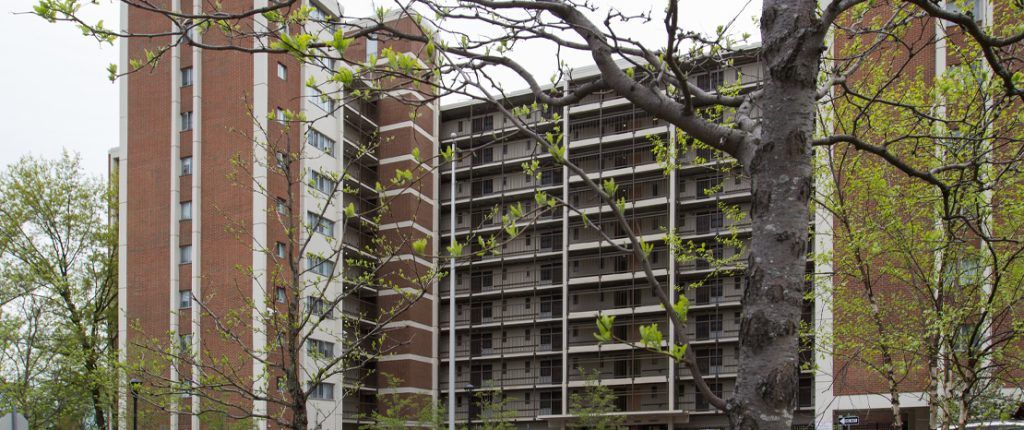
x=604 y=328
x=399 y=411
x=594 y=405
x=58 y=289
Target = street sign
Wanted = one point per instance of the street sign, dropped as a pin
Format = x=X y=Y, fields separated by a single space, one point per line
x=849 y=420
x=13 y=421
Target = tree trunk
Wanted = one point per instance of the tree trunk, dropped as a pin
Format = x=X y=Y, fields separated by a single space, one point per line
x=894 y=404
x=780 y=172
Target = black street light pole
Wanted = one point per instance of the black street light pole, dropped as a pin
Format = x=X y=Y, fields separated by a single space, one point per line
x=469 y=416
x=134 y=386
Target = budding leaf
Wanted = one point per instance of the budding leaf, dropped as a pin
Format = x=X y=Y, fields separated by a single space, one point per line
x=604 y=328
x=420 y=245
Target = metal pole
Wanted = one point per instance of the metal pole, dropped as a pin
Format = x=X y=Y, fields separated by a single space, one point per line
x=135 y=410
x=451 y=304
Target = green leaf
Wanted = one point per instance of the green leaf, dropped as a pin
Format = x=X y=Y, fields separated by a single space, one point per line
x=678 y=352
x=682 y=307
x=350 y=210
x=604 y=328
x=650 y=336
x=420 y=245
x=609 y=187
x=112 y=72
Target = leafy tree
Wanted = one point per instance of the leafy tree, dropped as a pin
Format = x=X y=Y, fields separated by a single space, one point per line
x=925 y=285
x=400 y=411
x=593 y=406
x=58 y=293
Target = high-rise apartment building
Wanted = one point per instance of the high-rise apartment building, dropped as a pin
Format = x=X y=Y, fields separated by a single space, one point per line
x=204 y=204
x=525 y=317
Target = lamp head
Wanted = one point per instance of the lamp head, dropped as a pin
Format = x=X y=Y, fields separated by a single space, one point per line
x=134 y=385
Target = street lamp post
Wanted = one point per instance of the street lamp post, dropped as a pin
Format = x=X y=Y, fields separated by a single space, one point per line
x=134 y=385
x=469 y=416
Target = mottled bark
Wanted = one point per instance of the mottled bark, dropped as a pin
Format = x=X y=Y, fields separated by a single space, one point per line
x=780 y=171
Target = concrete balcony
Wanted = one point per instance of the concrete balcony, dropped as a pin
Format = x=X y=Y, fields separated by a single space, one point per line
x=601 y=162
x=583 y=198
x=505 y=343
x=509 y=311
x=613 y=266
x=586 y=303
x=507 y=374
x=710 y=223
x=522 y=279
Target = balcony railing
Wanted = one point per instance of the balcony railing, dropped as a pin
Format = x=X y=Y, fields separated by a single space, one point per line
x=598 y=97
x=498 y=313
x=612 y=124
x=510 y=377
x=611 y=298
x=643 y=225
x=506 y=345
x=710 y=222
x=511 y=279
x=583 y=198
x=614 y=159
x=365 y=108
x=615 y=264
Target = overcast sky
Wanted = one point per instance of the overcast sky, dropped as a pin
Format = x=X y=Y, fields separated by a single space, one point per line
x=56 y=94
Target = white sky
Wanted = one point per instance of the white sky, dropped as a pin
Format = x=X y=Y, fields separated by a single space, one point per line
x=56 y=94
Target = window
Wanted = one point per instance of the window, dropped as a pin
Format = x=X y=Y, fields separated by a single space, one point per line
x=280 y=250
x=185 y=299
x=186 y=121
x=322 y=101
x=185 y=343
x=322 y=183
x=805 y=391
x=322 y=391
x=318 y=14
x=320 y=266
x=969 y=7
x=320 y=141
x=371 y=47
x=320 y=348
x=319 y=307
x=551 y=241
x=551 y=177
x=185 y=210
x=282 y=72
x=701 y=402
x=279 y=115
x=550 y=402
x=185 y=166
x=710 y=81
x=279 y=294
x=320 y=224
x=186 y=77
x=483 y=187
x=710 y=292
x=185 y=254
x=483 y=123
x=282 y=206
x=551 y=273
x=709 y=360
x=709 y=326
